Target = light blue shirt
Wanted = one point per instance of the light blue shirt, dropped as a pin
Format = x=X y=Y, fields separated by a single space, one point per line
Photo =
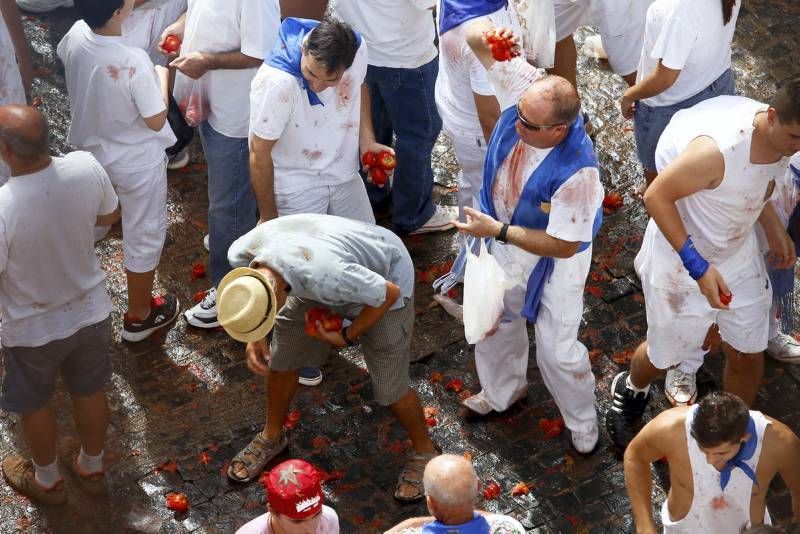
x=338 y=262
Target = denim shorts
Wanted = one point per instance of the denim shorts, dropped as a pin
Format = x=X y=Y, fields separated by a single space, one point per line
x=29 y=373
x=649 y=122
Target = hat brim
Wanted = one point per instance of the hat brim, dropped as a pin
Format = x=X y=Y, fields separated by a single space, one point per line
x=269 y=321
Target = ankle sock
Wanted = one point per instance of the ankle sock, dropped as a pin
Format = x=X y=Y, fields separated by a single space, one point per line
x=636 y=390
x=89 y=465
x=47 y=476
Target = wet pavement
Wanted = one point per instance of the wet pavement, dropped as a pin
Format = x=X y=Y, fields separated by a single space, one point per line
x=184 y=402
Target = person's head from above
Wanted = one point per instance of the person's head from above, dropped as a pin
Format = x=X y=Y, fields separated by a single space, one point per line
x=328 y=51
x=783 y=118
x=98 y=14
x=294 y=497
x=720 y=427
x=24 y=139
x=248 y=300
x=451 y=487
x=546 y=111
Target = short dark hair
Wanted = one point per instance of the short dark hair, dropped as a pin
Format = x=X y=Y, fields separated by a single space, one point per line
x=96 y=13
x=787 y=102
x=333 y=44
x=720 y=418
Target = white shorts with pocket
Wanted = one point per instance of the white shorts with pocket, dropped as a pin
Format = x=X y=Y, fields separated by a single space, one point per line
x=678 y=319
x=143 y=201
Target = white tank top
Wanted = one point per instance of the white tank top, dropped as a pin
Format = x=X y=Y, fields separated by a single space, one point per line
x=714 y=511
x=721 y=221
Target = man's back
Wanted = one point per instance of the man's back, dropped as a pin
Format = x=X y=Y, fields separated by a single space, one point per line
x=51 y=283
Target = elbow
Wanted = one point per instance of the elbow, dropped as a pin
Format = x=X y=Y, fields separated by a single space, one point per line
x=567 y=250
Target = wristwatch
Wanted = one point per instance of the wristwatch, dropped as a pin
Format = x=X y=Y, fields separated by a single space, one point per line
x=347 y=341
x=501 y=237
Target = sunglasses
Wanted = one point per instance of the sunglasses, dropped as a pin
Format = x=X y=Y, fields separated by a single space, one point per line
x=533 y=127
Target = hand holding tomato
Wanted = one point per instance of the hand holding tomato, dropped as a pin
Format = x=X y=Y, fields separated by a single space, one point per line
x=502 y=44
x=171 y=44
x=379 y=165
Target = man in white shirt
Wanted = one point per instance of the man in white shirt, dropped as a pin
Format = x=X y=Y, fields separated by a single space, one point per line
x=540 y=201
x=223 y=42
x=16 y=68
x=401 y=77
x=118 y=107
x=700 y=262
x=54 y=303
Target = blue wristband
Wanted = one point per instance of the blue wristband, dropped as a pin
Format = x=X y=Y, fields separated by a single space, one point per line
x=692 y=260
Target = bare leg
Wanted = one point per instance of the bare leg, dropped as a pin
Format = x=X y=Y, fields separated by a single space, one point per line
x=743 y=372
x=642 y=371
x=91 y=419
x=39 y=428
x=281 y=387
x=566 y=59
x=140 y=291
x=408 y=411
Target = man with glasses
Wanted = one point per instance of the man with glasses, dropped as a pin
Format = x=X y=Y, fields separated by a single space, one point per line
x=541 y=202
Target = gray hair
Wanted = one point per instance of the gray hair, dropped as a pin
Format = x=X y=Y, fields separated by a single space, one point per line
x=451 y=481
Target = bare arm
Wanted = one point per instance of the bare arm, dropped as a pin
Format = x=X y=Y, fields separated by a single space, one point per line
x=781 y=247
x=195 y=64
x=13 y=22
x=262 y=176
x=366 y=132
x=109 y=219
x=488 y=113
x=156 y=122
x=788 y=457
x=364 y=321
x=653 y=84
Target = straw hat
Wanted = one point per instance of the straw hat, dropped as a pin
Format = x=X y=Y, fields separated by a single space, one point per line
x=246 y=304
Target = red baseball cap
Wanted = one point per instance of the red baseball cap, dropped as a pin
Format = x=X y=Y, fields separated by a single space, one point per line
x=293 y=489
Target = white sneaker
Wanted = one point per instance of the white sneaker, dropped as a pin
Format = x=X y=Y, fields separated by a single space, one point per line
x=204 y=313
x=784 y=348
x=442 y=219
x=680 y=388
x=178 y=161
x=206 y=242
x=43 y=6
x=585 y=442
x=479 y=402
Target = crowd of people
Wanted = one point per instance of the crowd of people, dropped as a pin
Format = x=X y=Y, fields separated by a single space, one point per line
x=300 y=120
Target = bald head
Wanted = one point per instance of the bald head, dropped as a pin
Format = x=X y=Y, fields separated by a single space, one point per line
x=451 y=481
x=555 y=95
x=23 y=132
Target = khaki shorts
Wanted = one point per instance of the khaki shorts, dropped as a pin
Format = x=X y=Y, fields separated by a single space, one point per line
x=386 y=347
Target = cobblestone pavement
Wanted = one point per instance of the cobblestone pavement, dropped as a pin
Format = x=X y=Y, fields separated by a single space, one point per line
x=184 y=402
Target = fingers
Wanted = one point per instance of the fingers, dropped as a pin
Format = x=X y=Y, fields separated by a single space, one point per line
x=257 y=357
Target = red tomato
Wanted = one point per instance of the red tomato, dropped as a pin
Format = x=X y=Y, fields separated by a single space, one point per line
x=331 y=322
x=492 y=37
x=171 y=44
x=369 y=159
x=177 y=502
x=387 y=161
x=725 y=299
x=379 y=176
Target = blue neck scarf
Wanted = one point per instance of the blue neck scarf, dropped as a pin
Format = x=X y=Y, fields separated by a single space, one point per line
x=746 y=451
x=478 y=525
x=287 y=52
x=565 y=159
x=456 y=12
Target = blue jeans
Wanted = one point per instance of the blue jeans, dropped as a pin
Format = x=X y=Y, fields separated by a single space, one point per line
x=232 y=208
x=403 y=103
x=649 y=122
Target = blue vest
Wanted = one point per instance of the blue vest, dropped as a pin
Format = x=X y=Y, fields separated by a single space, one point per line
x=575 y=152
x=455 y=12
x=478 y=525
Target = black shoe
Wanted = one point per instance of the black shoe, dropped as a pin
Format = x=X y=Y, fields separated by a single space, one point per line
x=163 y=310
x=624 y=418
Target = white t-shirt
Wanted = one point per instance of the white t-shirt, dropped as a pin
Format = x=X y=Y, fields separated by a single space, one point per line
x=11 y=89
x=216 y=26
x=317 y=145
x=328 y=523
x=574 y=205
x=687 y=35
x=461 y=75
x=399 y=33
x=51 y=283
x=111 y=87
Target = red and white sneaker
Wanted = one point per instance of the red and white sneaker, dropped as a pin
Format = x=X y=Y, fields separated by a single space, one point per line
x=163 y=310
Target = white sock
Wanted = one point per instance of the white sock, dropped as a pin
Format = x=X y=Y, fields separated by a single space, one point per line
x=636 y=390
x=90 y=465
x=47 y=476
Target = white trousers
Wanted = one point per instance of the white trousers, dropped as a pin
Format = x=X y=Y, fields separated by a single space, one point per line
x=470 y=149
x=502 y=359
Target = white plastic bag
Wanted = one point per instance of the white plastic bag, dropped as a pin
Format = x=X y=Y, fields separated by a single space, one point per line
x=192 y=101
x=485 y=284
x=538 y=21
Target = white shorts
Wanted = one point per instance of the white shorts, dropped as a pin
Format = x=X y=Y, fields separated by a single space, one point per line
x=143 y=201
x=348 y=200
x=678 y=320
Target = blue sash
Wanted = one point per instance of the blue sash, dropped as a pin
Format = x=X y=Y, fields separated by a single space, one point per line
x=478 y=525
x=575 y=152
x=746 y=451
x=456 y=12
x=287 y=51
